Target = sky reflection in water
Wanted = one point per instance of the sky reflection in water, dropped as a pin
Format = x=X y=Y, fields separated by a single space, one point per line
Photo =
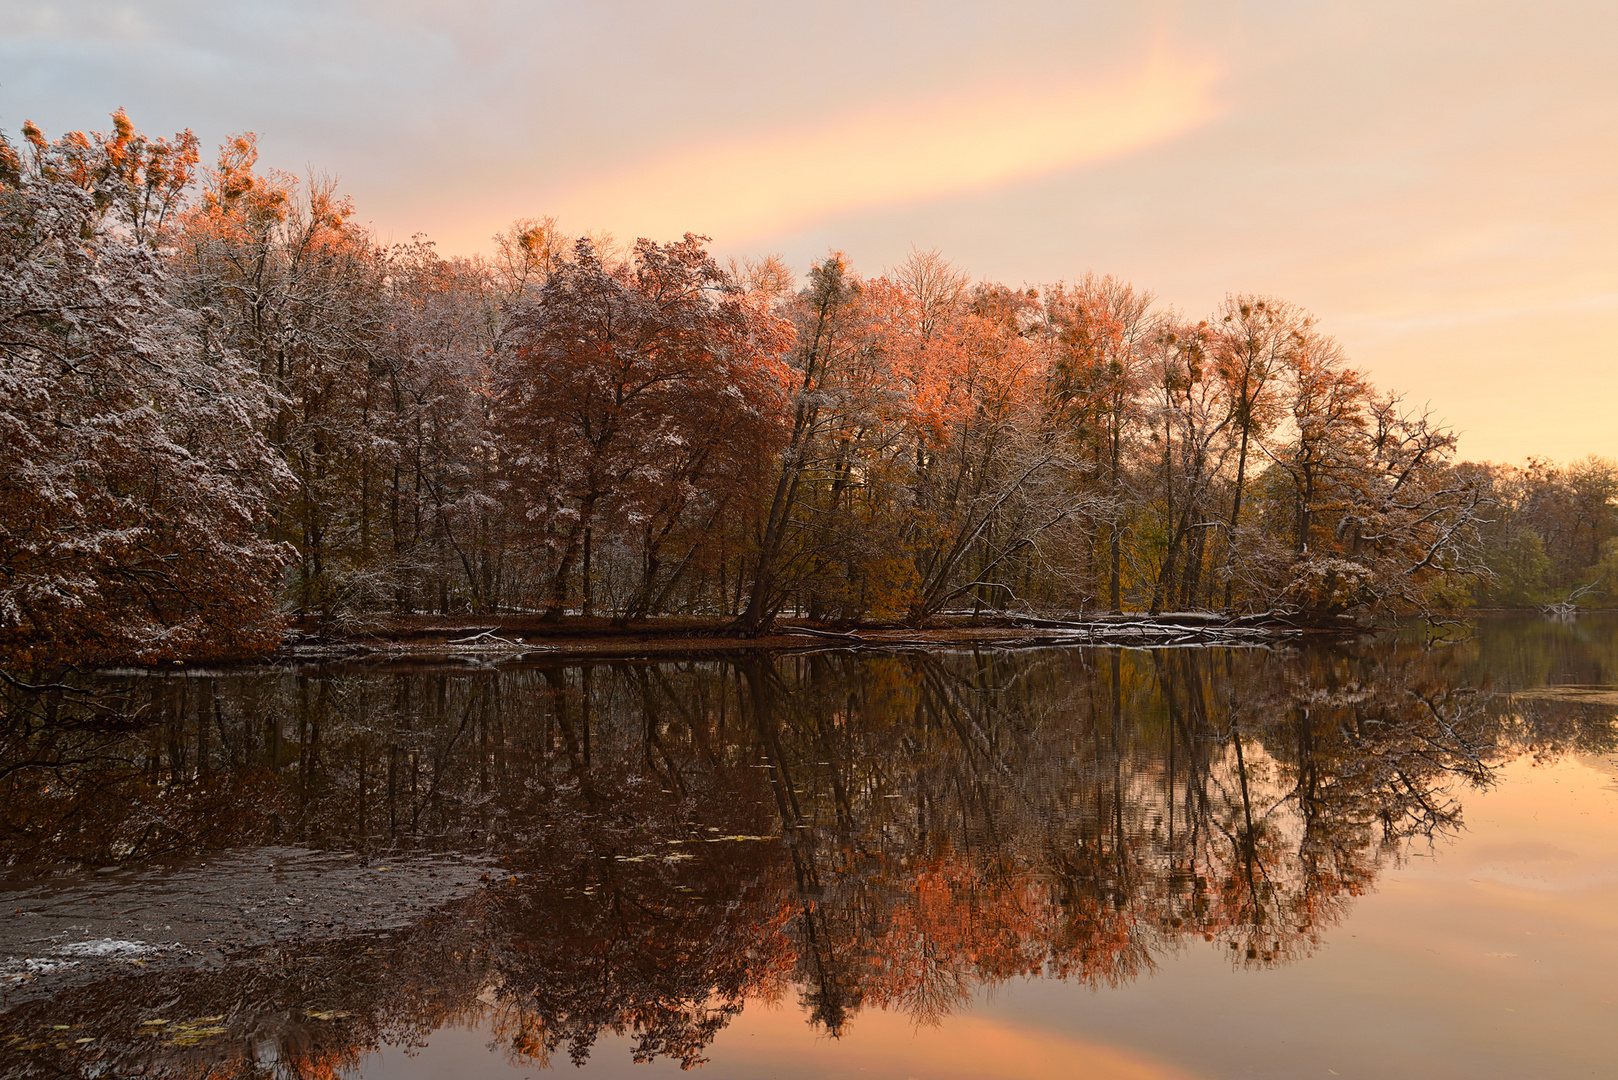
x=1381 y=860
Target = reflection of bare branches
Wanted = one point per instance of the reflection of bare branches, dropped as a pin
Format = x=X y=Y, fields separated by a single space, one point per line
x=869 y=829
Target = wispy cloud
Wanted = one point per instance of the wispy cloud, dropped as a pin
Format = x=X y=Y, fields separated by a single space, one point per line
x=890 y=154
x=1375 y=327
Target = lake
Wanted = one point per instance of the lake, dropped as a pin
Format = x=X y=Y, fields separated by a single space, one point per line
x=1391 y=857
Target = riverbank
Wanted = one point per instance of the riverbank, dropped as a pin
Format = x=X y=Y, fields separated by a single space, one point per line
x=433 y=636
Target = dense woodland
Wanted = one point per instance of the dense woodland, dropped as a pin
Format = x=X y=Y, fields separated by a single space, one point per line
x=224 y=403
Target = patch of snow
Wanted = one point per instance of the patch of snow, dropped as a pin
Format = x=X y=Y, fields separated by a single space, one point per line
x=15 y=971
x=45 y=967
x=106 y=947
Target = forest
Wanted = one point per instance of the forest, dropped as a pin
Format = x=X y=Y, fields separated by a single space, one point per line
x=224 y=404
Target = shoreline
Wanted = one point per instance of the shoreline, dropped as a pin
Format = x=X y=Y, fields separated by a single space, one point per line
x=435 y=637
x=423 y=638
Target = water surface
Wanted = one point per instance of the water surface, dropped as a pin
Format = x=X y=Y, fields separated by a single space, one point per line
x=1386 y=858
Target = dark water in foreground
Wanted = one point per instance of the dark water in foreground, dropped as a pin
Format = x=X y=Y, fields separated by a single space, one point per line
x=1384 y=859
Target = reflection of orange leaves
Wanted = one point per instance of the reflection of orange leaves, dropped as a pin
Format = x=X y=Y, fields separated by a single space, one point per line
x=1034 y=831
x=944 y=927
x=1099 y=942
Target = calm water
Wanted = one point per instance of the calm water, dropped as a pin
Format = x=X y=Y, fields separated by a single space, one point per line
x=1385 y=859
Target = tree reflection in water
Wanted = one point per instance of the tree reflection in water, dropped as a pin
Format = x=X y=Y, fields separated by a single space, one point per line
x=856 y=829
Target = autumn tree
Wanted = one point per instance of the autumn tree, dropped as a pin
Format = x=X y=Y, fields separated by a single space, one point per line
x=1189 y=421
x=138 y=182
x=1368 y=500
x=527 y=253
x=1571 y=511
x=1325 y=402
x=986 y=481
x=288 y=282
x=825 y=343
x=134 y=483
x=430 y=522
x=375 y=360
x=632 y=395
x=1253 y=338
x=1102 y=330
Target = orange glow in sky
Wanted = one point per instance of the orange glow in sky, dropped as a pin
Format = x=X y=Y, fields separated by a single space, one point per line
x=888 y=153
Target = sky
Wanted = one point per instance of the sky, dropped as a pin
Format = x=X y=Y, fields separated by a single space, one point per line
x=1436 y=181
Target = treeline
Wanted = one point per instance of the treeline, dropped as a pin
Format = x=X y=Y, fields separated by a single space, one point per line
x=224 y=401
x=1552 y=534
